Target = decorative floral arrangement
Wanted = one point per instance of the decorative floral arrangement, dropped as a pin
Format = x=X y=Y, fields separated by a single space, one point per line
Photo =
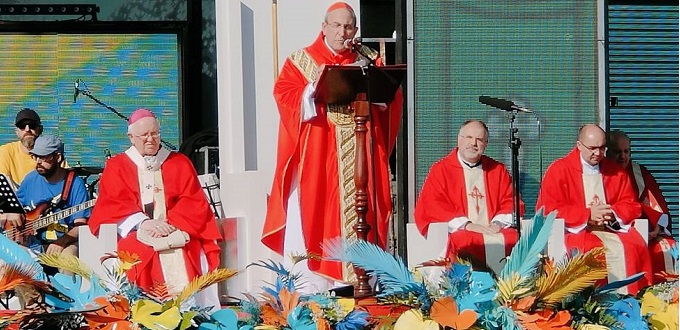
x=530 y=292
x=85 y=301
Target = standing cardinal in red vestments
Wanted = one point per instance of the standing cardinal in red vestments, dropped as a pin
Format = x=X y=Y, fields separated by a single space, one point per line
x=148 y=188
x=473 y=193
x=654 y=207
x=595 y=197
x=312 y=197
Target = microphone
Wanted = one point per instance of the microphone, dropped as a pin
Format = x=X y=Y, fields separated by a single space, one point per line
x=351 y=44
x=76 y=90
x=502 y=104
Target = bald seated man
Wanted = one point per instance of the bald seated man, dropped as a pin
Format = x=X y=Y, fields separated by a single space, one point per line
x=473 y=194
x=595 y=198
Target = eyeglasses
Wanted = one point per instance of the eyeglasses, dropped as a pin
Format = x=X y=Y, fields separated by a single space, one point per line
x=593 y=148
x=31 y=125
x=346 y=27
x=43 y=159
x=153 y=135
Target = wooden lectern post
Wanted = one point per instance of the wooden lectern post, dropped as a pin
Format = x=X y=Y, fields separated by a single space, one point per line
x=362 y=110
x=359 y=87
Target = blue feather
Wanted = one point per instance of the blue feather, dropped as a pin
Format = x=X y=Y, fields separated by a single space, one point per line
x=618 y=284
x=391 y=272
x=526 y=254
x=15 y=254
x=284 y=278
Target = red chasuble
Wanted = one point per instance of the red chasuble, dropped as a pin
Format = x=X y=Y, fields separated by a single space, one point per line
x=444 y=197
x=562 y=190
x=321 y=152
x=653 y=207
x=653 y=203
x=186 y=206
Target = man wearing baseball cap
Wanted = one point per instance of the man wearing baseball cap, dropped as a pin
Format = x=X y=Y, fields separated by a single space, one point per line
x=53 y=185
x=48 y=187
x=15 y=161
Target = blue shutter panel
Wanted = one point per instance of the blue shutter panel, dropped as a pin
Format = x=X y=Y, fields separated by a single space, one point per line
x=642 y=50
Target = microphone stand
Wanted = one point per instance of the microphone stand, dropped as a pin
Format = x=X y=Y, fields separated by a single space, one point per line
x=514 y=145
x=87 y=93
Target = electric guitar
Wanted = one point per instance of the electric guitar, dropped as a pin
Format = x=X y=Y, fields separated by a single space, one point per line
x=35 y=222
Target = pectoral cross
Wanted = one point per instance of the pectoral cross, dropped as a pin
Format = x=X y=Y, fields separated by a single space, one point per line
x=477 y=195
x=148 y=186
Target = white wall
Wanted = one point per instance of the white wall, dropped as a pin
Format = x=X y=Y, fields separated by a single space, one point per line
x=247 y=114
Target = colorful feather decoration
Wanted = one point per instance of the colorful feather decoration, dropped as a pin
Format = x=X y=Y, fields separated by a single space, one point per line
x=13 y=253
x=525 y=257
x=391 y=272
x=570 y=277
x=202 y=282
x=66 y=262
x=12 y=275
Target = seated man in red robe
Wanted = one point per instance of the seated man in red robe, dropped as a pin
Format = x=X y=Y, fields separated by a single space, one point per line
x=153 y=195
x=473 y=193
x=654 y=207
x=313 y=192
x=595 y=198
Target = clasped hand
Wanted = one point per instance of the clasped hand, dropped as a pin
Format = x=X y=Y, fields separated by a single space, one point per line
x=157 y=228
x=490 y=229
x=600 y=214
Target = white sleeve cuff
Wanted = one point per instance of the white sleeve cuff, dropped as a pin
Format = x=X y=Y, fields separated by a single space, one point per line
x=458 y=223
x=125 y=227
x=576 y=230
x=308 y=106
x=503 y=220
x=624 y=228
x=663 y=221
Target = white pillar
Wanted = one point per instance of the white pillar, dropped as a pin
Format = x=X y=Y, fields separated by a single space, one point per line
x=247 y=114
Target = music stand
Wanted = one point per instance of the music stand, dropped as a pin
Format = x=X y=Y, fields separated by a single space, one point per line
x=9 y=203
x=359 y=86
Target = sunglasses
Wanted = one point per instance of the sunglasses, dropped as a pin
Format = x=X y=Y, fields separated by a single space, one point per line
x=31 y=125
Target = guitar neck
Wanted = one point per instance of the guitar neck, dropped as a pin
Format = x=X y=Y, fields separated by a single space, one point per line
x=56 y=216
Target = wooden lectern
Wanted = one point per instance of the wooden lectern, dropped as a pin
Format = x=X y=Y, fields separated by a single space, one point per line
x=359 y=87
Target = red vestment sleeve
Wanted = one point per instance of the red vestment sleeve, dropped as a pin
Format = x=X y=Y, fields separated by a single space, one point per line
x=288 y=91
x=653 y=191
x=435 y=203
x=562 y=190
x=619 y=191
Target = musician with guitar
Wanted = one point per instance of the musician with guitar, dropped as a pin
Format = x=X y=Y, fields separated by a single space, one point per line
x=57 y=200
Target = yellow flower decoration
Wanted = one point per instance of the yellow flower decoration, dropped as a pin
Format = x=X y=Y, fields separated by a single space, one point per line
x=662 y=316
x=347 y=305
x=151 y=315
x=413 y=320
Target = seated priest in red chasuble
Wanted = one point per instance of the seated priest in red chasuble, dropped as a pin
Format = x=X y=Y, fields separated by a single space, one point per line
x=473 y=194
x=312 y=196
x=654 y=207
x=154 y=197
x=595 y=198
